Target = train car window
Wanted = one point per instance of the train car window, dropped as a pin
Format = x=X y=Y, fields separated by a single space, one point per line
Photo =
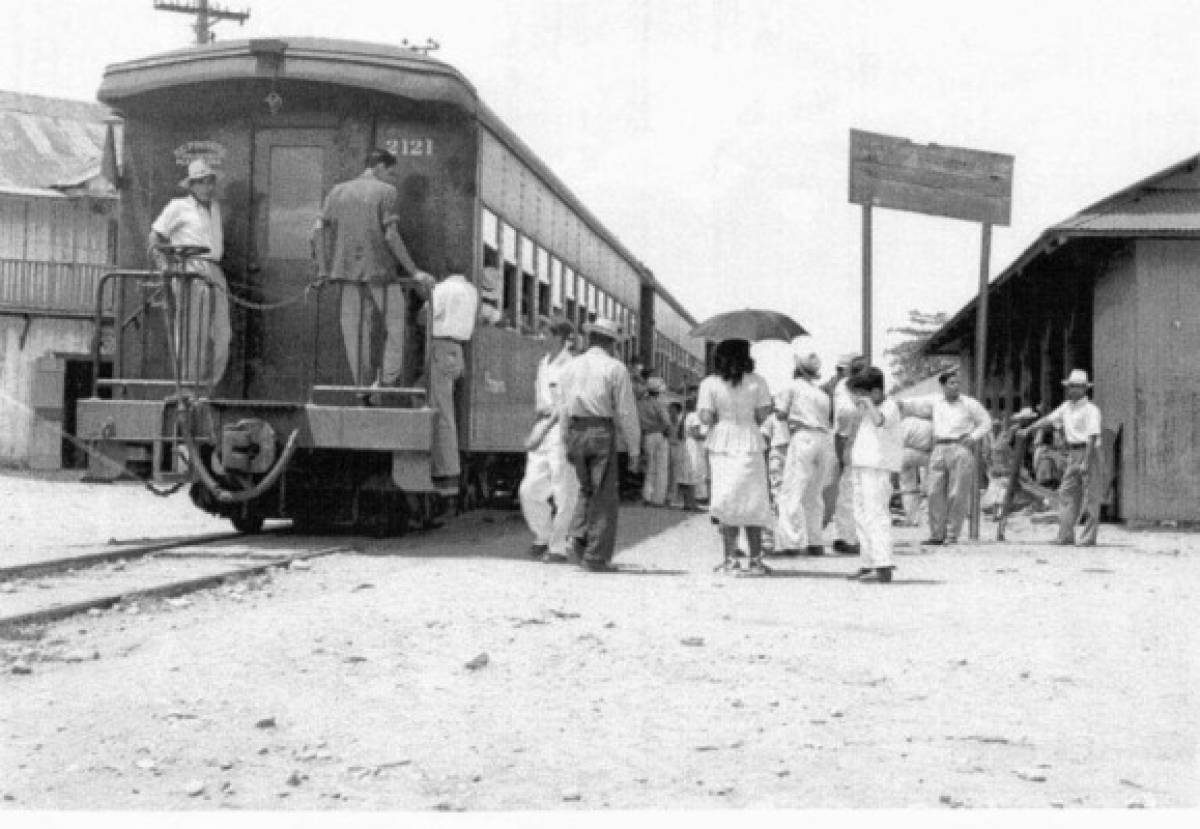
x=528 y=285
x=490 y=233
x=508 y=250
x=568 y=282
x=293 y=200
x=556 y=286
x=543 y=282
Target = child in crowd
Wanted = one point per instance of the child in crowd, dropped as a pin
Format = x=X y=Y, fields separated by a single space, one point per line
x=877 y=453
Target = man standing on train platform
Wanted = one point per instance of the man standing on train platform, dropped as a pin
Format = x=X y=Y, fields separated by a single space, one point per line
x=655 y=422
x=195 y=220
x=959 y=423
x=357 y=238
x=917 y=435
x=805 y=410
x=597 y=402
x=1081 y=486
x=549 y=476
x=846 y=416
x=453 y=310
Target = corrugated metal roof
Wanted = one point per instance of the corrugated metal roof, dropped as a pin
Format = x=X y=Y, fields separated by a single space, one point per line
x=50 y=142
x=1166 y=203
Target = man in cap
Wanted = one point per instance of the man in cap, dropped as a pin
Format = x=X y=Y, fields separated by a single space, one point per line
x=1079 y=418
x=357 y=238
x=655 y=422
x=597 y=401
x=959 y=422
x=846 y=416
x=548 y=473
x=195 y=220
x=805 y=408
x=453 y=310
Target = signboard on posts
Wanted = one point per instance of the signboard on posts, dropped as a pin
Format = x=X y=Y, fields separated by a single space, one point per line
x=932 y=179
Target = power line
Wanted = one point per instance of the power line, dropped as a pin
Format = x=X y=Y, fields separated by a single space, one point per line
x=206 y=15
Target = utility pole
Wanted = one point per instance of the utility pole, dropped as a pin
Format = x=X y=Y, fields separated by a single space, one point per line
x=206 y=16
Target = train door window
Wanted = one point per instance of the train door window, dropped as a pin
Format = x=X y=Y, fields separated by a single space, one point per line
x=294 y=199
x=556 y=286
x=543 y=282
x=512 y=285
x=528 y=284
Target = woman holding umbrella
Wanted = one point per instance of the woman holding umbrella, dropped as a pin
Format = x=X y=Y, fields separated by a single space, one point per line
x=733 y=401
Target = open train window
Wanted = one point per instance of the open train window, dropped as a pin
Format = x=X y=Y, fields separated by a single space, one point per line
x=528 y=282
x=556 y=286
x=490 y=233
x=508 y=250
x=542 y=265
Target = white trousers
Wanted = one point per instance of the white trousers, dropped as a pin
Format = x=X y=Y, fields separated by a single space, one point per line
x=548 y=475
x=843 y=516
x=360 y=308
x=657 y=452
x=872 y=490
x=202 y=338
x=800 y=505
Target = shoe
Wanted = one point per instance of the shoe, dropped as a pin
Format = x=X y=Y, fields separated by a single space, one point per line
x=863 y=574
x=951 y=539
x=729 y=565
x=885 y=573
x=539 y=551
x=846 y=549
x=814 y=550
x=595 y=565
x=934 y=542
x=840 y=546
x=739 y=554
x=756 y=568
x=555 y=558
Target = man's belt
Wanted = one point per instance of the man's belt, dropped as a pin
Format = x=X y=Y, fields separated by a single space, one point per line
x=1077 y=445
x=451 y=340
x=943 y=441
x=591 y=421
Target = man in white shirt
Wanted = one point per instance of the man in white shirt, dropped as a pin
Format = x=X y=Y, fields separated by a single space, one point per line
x=914 y=467
x=874 y=458
x=454 y=304
x=1079 y=418
x=805 y=409
x=548 y=474
x=195 y=219
x=597 y=401
x=959 y=422
x=846 y=416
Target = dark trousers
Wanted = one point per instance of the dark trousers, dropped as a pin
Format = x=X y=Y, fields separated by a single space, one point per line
x=592 y=450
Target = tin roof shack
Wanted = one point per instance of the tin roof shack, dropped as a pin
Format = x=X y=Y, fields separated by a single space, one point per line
x=57 y=233
x=1115 y=290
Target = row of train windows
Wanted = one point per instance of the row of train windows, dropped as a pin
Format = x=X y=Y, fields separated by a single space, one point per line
x=526 y=286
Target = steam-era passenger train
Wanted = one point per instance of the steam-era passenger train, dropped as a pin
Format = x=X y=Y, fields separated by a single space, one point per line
x=285 y=433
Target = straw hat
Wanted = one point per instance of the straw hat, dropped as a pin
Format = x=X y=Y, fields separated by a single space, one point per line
x=198 y=169
x=605 y=328
x=1078 y=377
x=656 y=385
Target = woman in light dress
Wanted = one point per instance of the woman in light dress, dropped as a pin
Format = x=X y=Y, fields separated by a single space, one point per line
x=734 y=401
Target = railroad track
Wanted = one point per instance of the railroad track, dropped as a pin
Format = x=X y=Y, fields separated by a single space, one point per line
x=50 y=590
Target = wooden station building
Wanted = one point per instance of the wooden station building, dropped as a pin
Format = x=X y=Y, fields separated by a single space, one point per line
x=1114 y=290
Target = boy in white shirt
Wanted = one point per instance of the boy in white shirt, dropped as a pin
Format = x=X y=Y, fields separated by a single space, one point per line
x=877 y=453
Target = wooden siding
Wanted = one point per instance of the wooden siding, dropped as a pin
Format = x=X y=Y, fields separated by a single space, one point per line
x=1168 y=391
x=49 y=287
x=1115 y=357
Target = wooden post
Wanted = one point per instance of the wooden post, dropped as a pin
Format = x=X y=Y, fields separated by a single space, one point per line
x=866 y=283
x=981 y=332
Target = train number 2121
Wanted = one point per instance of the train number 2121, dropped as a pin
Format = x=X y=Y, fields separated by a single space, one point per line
x=410 y=146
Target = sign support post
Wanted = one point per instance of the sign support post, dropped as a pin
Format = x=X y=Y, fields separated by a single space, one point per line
x=866 y=282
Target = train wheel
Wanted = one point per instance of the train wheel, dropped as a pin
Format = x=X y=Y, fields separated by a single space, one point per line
x=248 y=522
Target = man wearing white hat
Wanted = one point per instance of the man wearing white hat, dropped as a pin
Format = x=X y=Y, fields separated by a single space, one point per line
x=655 y=422
x=597 y=401
x=195 y=220
x=846 y=416
x=1079 y=418
x=806 y=411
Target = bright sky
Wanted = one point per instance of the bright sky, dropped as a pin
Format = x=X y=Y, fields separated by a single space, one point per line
x=711 y=136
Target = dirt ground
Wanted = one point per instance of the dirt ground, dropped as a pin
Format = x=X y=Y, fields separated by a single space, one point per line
x=447 y=671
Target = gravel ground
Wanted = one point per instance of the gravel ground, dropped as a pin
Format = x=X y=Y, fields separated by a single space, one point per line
x=447 y=672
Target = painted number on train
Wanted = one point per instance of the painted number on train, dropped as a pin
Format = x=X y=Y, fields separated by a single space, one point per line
x=410 y=146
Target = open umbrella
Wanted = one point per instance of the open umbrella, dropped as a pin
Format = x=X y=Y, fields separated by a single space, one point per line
x=751 y=324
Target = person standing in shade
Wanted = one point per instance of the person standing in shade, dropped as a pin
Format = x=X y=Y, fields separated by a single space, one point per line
x=874 y=458
x=357 y=239
x=597 y=401
x=734 y=401
x=917 y=433
x=548 y=473
x=805 y=409
x=775 y=433
x=1079 y=418
x=195 y=220
x=959 y=423
x=845 y=420
x=454 y=306
x=696 y=434
x=655 y=422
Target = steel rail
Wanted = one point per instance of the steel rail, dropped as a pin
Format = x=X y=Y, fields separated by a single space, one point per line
x=61 y=565
x=160 y=591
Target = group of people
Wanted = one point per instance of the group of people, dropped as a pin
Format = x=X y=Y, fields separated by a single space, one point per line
x=356 y=239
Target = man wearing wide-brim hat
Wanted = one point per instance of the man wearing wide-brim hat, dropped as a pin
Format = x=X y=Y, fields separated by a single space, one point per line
x=201 y=329
x=597 y=401
x=1079 y=418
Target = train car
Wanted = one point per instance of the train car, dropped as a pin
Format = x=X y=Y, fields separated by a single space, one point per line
x=287 y=433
